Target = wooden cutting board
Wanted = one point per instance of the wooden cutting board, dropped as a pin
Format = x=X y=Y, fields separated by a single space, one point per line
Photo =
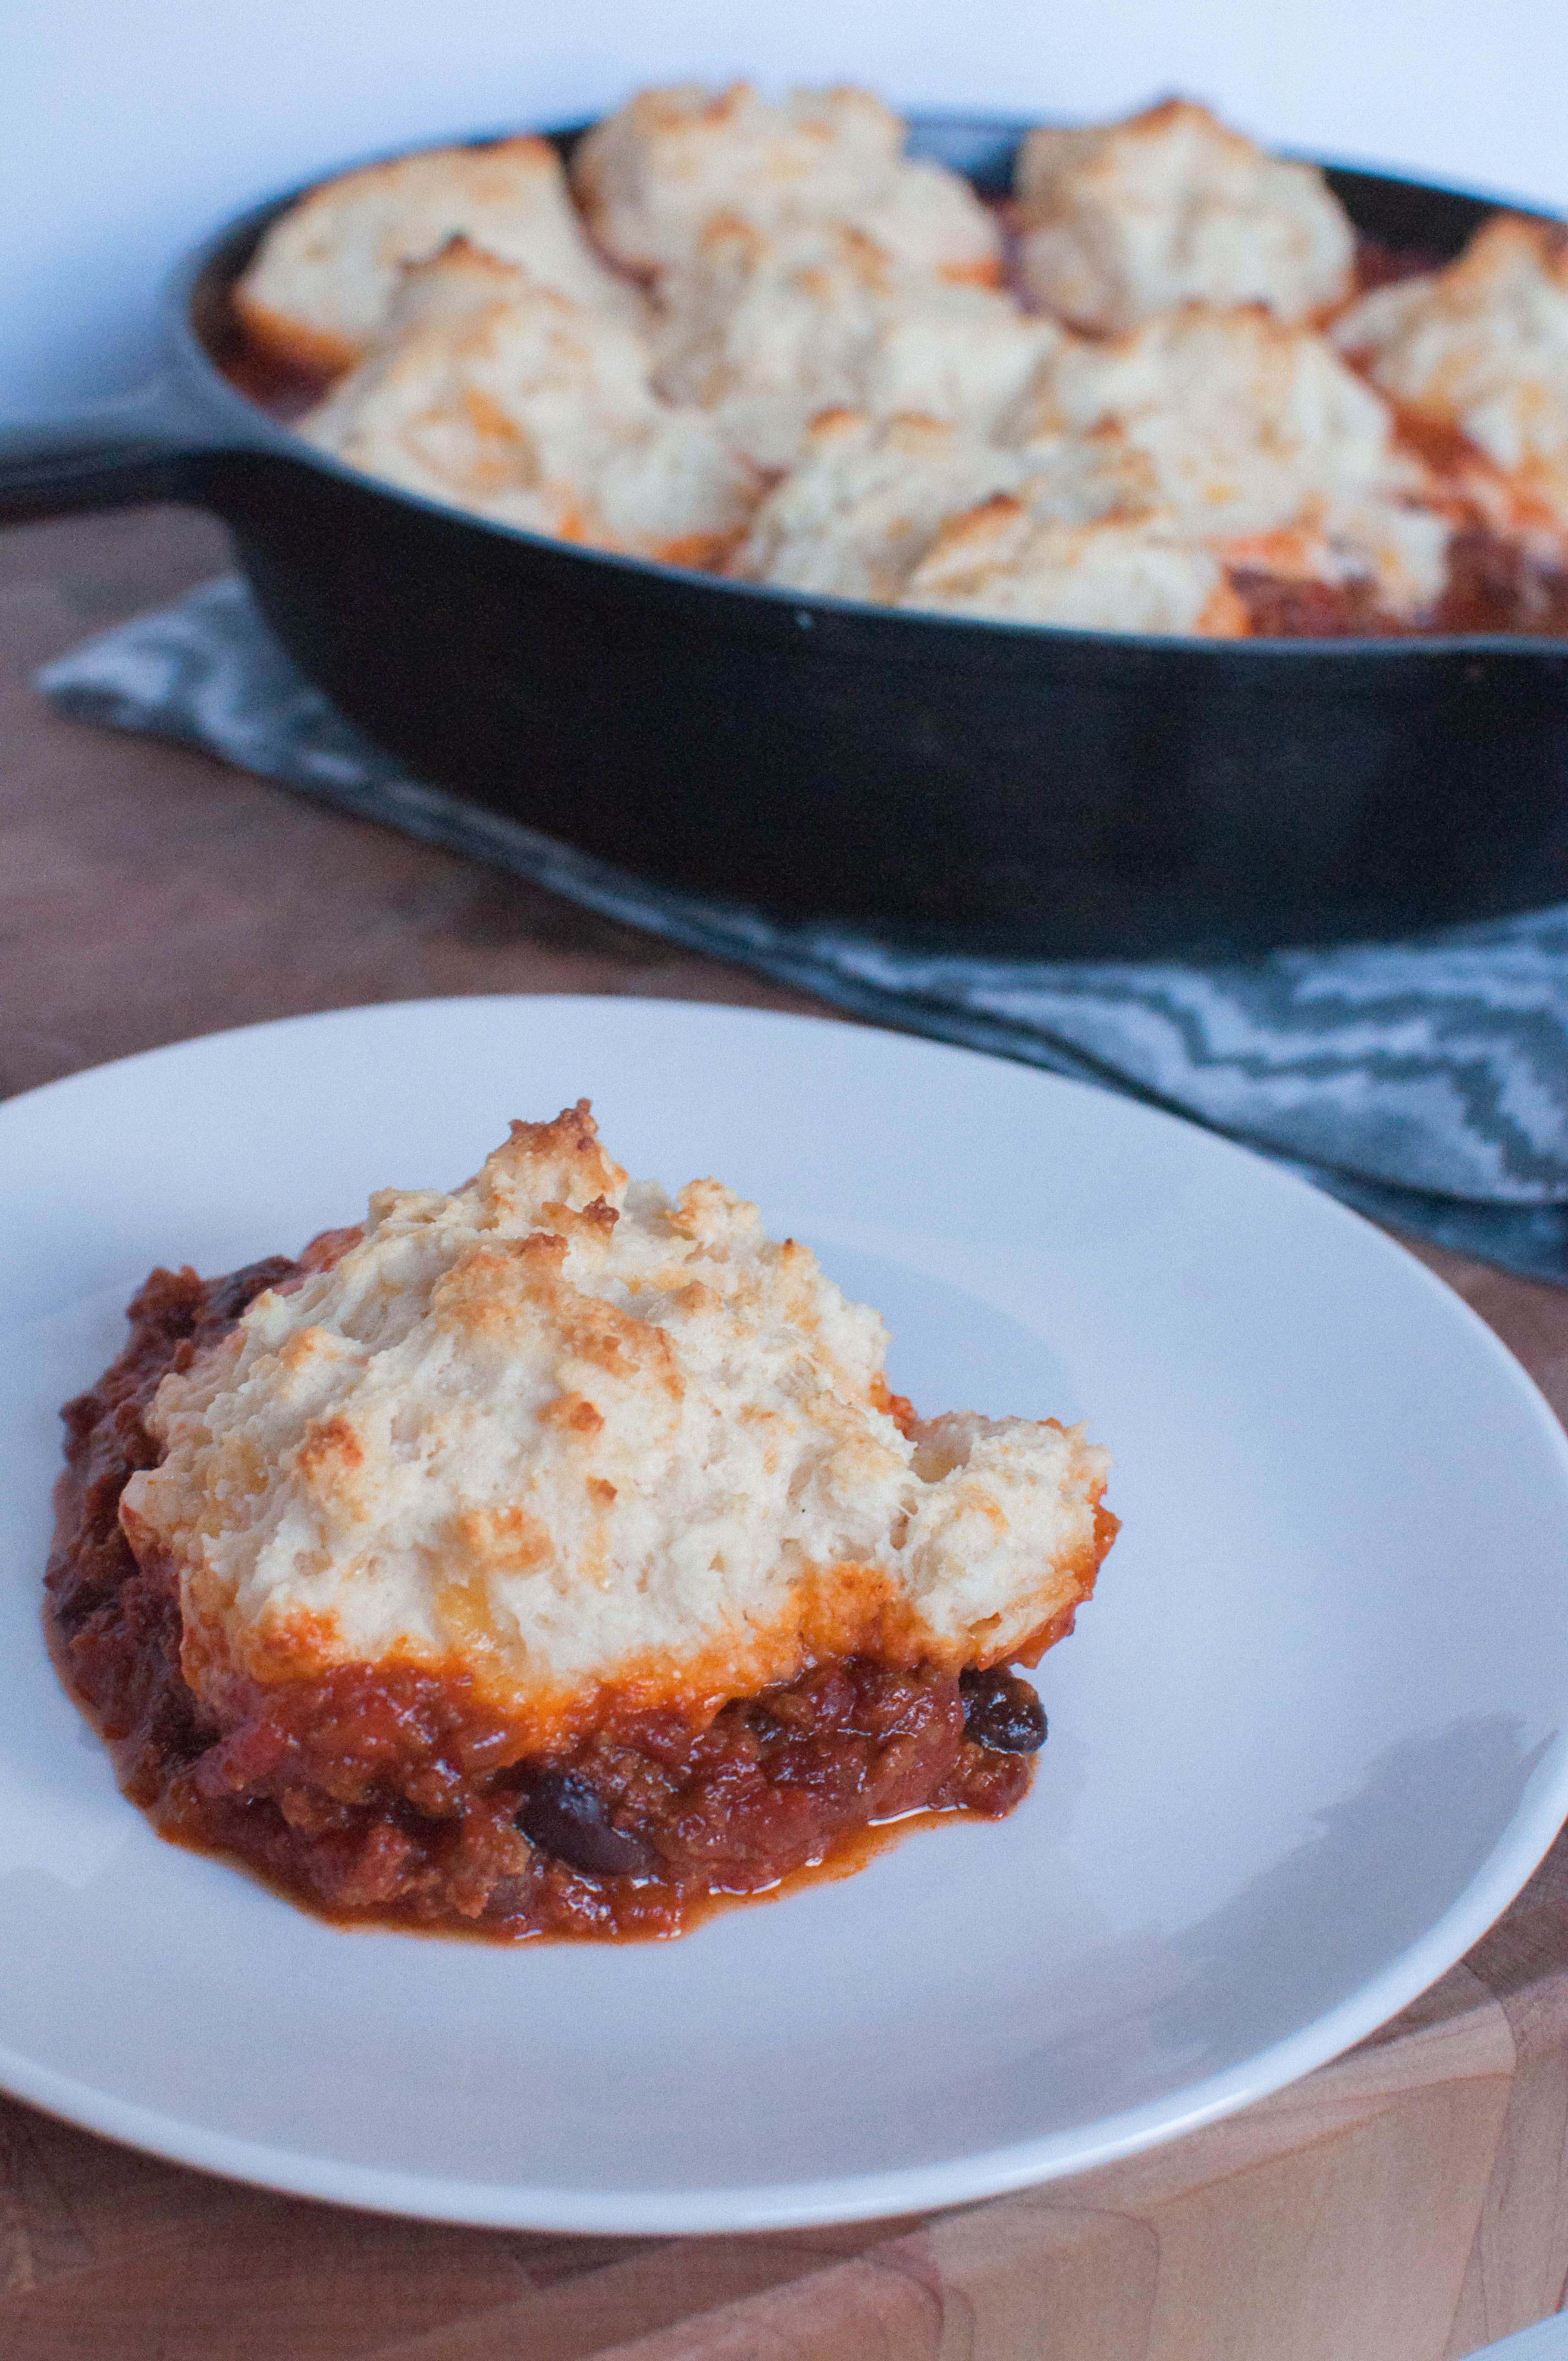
x=1408 y=2202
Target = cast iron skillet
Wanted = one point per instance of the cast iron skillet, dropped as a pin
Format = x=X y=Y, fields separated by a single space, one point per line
x=982 y=785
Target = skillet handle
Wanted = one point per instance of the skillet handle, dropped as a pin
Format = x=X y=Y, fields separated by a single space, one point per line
x=147 y=445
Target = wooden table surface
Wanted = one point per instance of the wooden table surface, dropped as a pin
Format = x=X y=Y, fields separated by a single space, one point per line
x=1408 y=2202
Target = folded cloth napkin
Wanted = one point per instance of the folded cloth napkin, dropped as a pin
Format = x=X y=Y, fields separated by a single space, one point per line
x=1424 y=1081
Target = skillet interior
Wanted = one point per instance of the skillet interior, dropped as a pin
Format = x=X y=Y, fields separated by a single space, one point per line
x=964 y=785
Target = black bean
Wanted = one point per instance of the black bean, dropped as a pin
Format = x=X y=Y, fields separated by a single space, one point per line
x=1002 y=1711
x=564 y=1813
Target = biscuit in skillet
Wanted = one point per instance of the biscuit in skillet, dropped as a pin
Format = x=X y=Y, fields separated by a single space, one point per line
x=500 y=395
x=1126 y=220
x=654 y=176
x=323 y=279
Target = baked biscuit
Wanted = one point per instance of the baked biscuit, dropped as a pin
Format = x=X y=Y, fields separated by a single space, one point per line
x=766 y=331
x=1481 y=349
x=931 y=221
x=491 y=391
x=1126 y=220
x=1116 y=573
x=960 y=353
x=652 y=177
x=1248 y=428
x=323 y=280
x=865 y=501
x=589 y=1447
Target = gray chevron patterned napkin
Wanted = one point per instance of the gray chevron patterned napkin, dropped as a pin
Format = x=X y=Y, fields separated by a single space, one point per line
x=1423 y=1081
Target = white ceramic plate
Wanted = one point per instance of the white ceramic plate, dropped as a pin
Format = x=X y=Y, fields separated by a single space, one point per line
x=1306 y=1744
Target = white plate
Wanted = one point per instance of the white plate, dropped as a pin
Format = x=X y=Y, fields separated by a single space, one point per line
x=1306 y=1744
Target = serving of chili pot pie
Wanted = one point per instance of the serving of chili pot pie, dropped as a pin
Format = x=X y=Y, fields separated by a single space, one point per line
x=551 y=1557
